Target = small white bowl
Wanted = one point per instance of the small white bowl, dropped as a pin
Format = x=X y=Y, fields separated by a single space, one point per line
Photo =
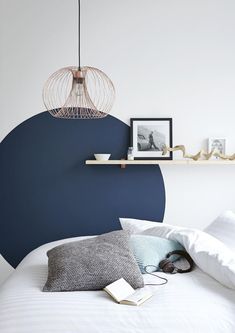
x=102 y=157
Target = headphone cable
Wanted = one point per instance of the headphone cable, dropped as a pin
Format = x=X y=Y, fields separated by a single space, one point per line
x=160 y=277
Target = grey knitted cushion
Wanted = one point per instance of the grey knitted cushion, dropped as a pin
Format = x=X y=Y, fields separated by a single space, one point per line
x=92 y=264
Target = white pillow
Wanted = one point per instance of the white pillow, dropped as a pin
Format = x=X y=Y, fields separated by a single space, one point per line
x=135 y=226
x=223 y=228
x=209 y=254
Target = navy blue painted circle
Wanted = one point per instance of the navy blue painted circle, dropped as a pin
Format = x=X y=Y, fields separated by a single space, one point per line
x=48 y=193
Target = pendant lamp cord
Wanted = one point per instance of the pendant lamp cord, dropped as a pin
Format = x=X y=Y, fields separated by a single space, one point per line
x=79 y=35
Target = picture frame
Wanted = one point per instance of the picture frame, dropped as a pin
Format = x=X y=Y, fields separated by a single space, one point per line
x=148 y=137
x=217 y=143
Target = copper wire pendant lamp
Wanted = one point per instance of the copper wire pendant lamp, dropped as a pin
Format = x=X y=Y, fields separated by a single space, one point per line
x=79 y=92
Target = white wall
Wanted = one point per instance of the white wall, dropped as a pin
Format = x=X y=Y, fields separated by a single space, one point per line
x=167 y=58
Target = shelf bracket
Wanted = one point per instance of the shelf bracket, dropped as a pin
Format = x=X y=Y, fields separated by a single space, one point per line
x=123 y=166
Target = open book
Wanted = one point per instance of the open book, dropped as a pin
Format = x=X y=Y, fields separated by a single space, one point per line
x=123 y=293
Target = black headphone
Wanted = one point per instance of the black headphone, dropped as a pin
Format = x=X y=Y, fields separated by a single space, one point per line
x=167 y=266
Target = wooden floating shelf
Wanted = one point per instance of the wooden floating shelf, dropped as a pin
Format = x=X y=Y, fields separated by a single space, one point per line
x=123 y=163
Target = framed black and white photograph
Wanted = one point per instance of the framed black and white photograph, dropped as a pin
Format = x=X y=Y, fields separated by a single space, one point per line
x=217 y=144
x=149 y=136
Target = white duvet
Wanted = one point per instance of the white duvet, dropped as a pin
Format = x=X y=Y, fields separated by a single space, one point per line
x=193 y=302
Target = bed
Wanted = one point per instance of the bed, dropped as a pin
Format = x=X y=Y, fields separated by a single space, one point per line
x=192 y=302
x=52 y=195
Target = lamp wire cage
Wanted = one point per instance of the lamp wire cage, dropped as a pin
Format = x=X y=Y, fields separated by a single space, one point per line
x=79 y=92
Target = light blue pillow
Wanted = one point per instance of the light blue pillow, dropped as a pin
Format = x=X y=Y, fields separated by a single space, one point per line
x=150 y=250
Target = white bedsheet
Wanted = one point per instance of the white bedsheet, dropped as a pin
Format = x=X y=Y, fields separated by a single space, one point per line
x=192 y=302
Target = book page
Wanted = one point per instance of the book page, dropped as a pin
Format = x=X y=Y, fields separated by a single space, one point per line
x=138 y=297
x=119 y=289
